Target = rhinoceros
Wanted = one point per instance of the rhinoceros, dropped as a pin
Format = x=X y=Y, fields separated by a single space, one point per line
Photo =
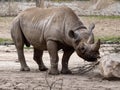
x=53 y=29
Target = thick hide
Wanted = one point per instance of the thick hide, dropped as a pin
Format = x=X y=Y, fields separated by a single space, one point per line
x=53 y=29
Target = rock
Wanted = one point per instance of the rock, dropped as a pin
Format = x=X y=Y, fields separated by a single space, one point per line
x=110 y=65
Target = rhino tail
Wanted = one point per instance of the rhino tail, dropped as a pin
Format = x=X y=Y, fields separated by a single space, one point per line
x=24 y=38
x=25 y=41
x=17 y=33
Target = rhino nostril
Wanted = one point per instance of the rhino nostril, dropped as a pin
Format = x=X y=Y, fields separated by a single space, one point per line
x=98 y=56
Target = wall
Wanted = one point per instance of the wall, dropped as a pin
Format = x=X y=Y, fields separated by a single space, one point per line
x=80 y=7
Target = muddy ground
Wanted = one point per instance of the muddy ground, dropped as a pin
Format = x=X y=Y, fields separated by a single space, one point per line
x=12 y=79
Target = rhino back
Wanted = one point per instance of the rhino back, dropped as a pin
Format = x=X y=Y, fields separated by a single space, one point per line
x=39 y=25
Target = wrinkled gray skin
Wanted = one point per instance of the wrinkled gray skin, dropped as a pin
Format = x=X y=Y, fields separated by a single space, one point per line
x=53 y=29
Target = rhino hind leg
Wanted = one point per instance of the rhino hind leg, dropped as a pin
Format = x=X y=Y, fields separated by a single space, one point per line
x=65 y=59
x=19 y=43
x=21 y=58
x=38 y=58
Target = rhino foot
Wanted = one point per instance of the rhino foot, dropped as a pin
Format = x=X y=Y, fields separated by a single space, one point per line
x=54 y=72
x=25 y=69
x=43 y=68
x=66 y=72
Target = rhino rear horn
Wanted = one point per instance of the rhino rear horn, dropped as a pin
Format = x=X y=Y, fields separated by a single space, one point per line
x=96 y=46
x=91 y=27
x=91 y=39
x=91 y=36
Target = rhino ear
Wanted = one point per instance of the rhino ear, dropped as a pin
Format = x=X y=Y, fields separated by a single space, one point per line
x=72 y=34
x=75 y=36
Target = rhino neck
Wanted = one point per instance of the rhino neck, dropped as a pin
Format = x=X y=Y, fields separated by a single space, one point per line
x=82 y=33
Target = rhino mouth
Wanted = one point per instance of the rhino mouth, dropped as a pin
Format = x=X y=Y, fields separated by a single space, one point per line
x=91 y=59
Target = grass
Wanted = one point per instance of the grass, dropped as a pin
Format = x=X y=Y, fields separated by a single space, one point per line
x=103 y=17
x=109 y=39
x=3 y=19
x=61 y=0
x=25 y=47
x=5 y=40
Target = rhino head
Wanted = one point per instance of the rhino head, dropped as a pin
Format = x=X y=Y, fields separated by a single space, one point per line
x=83 y=43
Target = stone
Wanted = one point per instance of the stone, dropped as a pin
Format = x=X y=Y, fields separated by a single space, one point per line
x=110 y=65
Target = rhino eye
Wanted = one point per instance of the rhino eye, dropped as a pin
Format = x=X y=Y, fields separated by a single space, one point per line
x=82 y=49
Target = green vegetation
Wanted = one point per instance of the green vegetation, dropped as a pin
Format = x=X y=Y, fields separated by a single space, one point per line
x=103 y=17
x=28 y=47
x=67 y=0
x=109 y=39
x=60 y=0
x=5 y=40
x=9 y=41
x=112 y=39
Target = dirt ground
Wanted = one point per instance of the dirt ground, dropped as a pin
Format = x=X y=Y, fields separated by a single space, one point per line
x=12 y=79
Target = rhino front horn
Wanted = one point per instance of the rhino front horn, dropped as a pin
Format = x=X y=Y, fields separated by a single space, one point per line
x=96 y=45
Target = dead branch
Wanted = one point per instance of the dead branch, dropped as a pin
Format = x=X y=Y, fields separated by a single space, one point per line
x=86 y=68
x=50 y=85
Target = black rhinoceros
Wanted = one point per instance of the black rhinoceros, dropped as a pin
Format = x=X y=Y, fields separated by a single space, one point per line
x=53 y=29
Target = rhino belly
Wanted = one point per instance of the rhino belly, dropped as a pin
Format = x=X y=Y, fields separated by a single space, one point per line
x=35 y=38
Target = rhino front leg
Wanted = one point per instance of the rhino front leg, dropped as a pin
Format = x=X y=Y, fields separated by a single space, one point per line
x=52 y=49
x=38 y=58
x=65 y=59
